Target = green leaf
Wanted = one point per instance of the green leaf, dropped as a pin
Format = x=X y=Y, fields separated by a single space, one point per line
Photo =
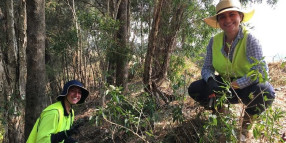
x=149 y=133
x=251 y=96
x=249 y=74
x=103 y=115
x=256 y=133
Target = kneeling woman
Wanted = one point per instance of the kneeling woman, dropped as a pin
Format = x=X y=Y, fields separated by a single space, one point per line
x=232 y=54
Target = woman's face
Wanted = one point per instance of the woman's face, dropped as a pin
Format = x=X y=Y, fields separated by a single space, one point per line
x=74 y=94
x=229 y=21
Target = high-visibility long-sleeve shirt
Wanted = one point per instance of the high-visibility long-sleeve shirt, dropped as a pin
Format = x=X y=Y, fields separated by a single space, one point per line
x=53 y=119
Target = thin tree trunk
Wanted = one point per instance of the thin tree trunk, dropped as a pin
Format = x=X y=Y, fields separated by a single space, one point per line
x=22 y=47
x=22 y=24
x=122 y=45
x=113 y=57
x=162 y=41
x=164 y=55
x=151 y=46
x=13 y=71
x=78 y=56
x=2 y=75
x=36 y=99
x=15 y=80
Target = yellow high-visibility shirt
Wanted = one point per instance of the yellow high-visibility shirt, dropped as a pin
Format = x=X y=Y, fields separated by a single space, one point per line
x=51 y=121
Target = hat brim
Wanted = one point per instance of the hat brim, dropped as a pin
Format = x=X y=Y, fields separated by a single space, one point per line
x=84 y=95
x=212 y=20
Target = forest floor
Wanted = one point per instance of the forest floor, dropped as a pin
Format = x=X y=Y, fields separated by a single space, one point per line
x=166 y=130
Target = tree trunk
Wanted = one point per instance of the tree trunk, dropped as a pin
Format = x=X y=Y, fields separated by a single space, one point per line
x=118 y=53
x=78 y=52
x=123 y=50
x=14 y=65
x=2 y=75
x=2 y=99
x=36 y=99
x=22 y=24
x=161 y=44
x=167 y=39
x=151 y=46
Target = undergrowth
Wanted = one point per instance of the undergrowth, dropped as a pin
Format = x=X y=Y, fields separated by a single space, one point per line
x=137 y=118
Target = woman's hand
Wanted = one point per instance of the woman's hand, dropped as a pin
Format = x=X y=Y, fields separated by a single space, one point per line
x=234 y=85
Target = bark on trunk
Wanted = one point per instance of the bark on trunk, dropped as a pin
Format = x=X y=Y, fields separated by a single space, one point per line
x=162 y=42
x=122 y=43
x=14 y=70
x=151 y=47
x=22 y=47
x=36 y=96
x=167 y=39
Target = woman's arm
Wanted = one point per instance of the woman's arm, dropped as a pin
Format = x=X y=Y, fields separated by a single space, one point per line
x=253 y=50
x=208 y=69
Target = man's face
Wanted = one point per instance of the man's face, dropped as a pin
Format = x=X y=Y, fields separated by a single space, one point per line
x=74 y=94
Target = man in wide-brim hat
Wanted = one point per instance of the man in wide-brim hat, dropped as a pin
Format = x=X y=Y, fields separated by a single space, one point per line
x=55 y=123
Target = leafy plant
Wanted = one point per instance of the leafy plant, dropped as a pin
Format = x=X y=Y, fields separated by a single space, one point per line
x=268 y=126
x=177 y=114
x=220 y=127
x=131 y=115
x=255 y=74
x=266 y=129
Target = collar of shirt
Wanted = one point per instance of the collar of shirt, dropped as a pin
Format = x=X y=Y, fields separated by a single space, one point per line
x=65 y=111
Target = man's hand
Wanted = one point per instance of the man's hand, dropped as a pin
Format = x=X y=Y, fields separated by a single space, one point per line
x=66 y=135
x=70 y=140
x=73 y=130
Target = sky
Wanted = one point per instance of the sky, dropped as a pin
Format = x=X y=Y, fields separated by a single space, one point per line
x=270 y=29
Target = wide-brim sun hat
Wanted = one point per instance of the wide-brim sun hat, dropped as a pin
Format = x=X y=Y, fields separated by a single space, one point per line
x=84 y=92
x=228 y=5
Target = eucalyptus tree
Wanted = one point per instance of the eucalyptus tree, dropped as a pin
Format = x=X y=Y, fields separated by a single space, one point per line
x=36 y=99
x=118 y=53
x=176 y=30
x=62 y=53
x=13 y=57
x=122 y=40
x=110 y=26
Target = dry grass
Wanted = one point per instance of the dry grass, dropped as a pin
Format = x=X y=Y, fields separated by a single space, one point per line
x=277 y=73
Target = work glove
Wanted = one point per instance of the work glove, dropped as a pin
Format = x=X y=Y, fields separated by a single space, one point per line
x=72 y=131
x=60 y=136
x=70 y=140
x=212 y=86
